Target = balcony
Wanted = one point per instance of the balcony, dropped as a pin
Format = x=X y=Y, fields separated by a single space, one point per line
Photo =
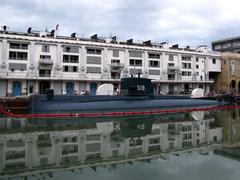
x=44 y=75
x=116 y=67
x=46 y=61
x=172 y=69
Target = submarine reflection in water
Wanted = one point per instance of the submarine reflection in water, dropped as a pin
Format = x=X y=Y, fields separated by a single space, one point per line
x=41 y=147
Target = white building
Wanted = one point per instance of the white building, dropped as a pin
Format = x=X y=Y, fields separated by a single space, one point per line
x=35 y=61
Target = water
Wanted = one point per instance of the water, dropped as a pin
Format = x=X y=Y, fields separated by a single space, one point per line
x=196 y=145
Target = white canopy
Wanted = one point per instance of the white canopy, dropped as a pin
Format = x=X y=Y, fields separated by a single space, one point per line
x=105 y=89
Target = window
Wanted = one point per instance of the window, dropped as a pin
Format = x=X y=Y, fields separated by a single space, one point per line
x=70 y=59
x=71 y=49
x=137 y=54
x=66 y=68
x=115 y=61
x=235 y=44
x=18 y=55
x=96 y=70
x=154 y=56
x=94 y=51
x=197 y=66
x=154 y=64
x=115 y=53
x=214 y=61
x=227 y=45
x=186 y=65
x=45 y=57
x=186 y=73
x=18 y=46
x=170 y=64
x=217 y=47
x=187 y=136
x=186 y=58
x=196 y=59
x=170 y=57
x=135 y=62
x=74 y=68
x=70 y=68
x=45 y=48
x=187 y=128
x=68 y=49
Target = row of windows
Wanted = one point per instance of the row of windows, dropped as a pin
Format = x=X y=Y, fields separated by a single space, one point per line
x=135 y=62
x=186 y=58
x=45 y=57
x=18 y=55
x=18 y=46
x=186 y=66
x=75 y=49
x=70 y=59
x=186 y=73
x=154 y=56
x=23 y=67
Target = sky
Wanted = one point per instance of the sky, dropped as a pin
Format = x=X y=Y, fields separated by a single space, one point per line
x=184 y=22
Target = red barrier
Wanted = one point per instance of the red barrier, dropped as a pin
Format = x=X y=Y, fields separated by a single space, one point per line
x=128 y=113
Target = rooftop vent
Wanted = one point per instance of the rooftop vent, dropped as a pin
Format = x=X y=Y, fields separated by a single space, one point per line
x=94 y=37
x=29 y=30
x=163 y=43
x=175 y=46
x=114 y=39
x=4 y=28
x=73 y=35
x=130 y=41
x=148 y=43
x=53 y=33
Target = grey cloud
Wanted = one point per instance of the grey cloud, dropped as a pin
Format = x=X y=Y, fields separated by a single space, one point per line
x=185 y=22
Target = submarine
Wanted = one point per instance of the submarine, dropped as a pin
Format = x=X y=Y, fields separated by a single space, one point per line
x=136 y=94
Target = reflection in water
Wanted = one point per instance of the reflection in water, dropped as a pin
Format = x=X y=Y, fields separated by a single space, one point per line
x=41 y=147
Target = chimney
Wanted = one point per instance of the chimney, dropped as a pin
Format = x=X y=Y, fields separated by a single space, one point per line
x=114 y=38
x=53 y=33
x=175 y=46
x=73 y=35
x=148 y=43
x=187 y=47
x=94 y=37
x=4 y=28
x=130 y=41
x=29 y=30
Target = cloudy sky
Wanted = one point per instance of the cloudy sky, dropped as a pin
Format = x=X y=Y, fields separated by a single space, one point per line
x=186 y=22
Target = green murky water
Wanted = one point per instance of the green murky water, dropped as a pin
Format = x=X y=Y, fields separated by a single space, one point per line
x=197 y=145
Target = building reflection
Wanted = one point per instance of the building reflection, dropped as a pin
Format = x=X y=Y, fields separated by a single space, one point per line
x=44 y=146
x=230 y=121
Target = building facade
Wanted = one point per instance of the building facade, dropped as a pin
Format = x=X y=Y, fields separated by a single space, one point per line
x=32 y=62
x=228 y=80
x=227 y=45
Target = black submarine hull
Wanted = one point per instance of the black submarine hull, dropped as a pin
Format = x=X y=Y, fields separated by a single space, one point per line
x=71 y=103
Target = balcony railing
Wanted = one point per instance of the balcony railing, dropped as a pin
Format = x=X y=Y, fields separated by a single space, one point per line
x=172 y=69
x=44 y=75
x=116 y=64
x=46 y=61
x=116 y=67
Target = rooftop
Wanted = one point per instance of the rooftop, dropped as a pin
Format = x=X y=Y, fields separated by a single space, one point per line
x=95 y=38
x=226 y=39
